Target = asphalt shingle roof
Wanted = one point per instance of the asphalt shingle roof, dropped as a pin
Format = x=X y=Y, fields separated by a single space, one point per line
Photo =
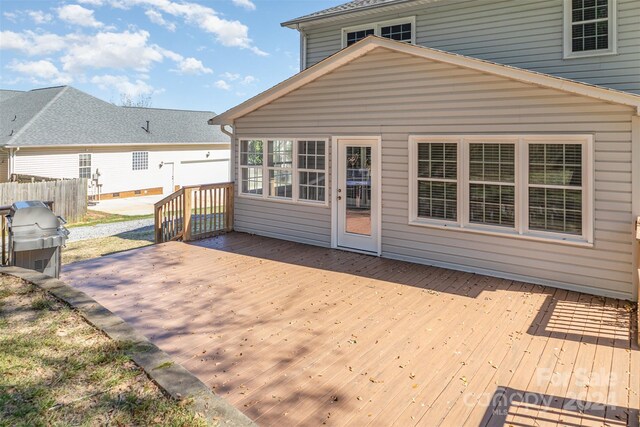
x=351 y=6
x=67 y=116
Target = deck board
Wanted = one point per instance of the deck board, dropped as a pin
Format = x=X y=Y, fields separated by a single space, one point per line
x=300 y=335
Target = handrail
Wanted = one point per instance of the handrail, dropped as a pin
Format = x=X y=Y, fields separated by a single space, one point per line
x=194 y=212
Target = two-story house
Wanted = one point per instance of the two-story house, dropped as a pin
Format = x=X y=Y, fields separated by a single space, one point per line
x=493 y=136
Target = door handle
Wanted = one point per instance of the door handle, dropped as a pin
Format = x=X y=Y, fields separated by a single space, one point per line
x=339 y=197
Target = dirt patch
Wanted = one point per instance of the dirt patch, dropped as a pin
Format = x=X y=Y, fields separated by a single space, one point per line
x=55 y=369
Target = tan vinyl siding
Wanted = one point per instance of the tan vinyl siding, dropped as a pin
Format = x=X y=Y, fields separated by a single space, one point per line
x=4 y=166
x=395 y=95
x=525 y=34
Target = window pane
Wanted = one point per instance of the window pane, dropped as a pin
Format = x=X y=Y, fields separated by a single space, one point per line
x=312 y=186
x=280 y=183
x=400 y=32
x=251 y=152
x=590 y=28
x=252 y=180
x=438 y=160
x=492 y=162
x=555 y=164
x=492 y=204
x=438 y=200
x=280 y=154
x=556 y=210
x=84 y=166
x=355 y=36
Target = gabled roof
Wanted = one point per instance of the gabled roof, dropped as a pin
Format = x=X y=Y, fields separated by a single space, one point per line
x=65 y=116
x=343 y=9
x=374 y=42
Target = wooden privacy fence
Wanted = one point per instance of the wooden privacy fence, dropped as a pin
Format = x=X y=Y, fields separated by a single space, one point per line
x=195 y=212
x=69 y=195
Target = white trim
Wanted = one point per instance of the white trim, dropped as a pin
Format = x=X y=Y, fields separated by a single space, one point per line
x=635 y=208
x=370 y=43
x=521 y=185
x=377 y=26
x=568 y=52
x=376 y=183
x=294 y=199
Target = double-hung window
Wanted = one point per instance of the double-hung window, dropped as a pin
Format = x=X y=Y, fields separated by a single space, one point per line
x=84 y=165
x=589 y=27
x=295 y=170
x=526 y=186
x=402 y=30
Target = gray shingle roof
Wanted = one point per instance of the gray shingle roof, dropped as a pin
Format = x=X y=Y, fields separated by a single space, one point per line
x=6 y=94
x=352 y=6
x=66 y=116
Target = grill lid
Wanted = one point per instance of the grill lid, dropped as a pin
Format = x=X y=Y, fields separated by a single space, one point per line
x=33 y=214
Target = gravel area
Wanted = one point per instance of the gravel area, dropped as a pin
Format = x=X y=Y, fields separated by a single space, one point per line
x=106 y=230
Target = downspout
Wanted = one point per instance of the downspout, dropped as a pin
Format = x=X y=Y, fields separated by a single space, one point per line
x=303 y=48
x=232 y=147
x=12 y=161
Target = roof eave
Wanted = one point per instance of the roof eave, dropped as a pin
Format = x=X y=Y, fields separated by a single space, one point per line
x=294 y=23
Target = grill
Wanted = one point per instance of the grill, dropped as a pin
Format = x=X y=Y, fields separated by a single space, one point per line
x=35 y=237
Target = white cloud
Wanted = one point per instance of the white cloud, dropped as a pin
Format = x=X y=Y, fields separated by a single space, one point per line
x=13 y=17
x=78 y=15
x=221 y=84
x=247 y=4
x=40 y=71
x=122 y=84
x=39 y=17
x=230 y=76
x=31 y=43
x=112 y=50
x=248 y=80
x=91 y=2
x=193 y=66
x=158 y=19
x=228 y=33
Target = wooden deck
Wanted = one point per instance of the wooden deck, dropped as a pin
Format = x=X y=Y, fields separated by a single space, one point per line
x=299 y=335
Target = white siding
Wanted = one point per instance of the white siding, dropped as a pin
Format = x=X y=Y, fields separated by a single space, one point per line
x=4 y=166
x=115 y=165
x=394 y=95
x=525 y=34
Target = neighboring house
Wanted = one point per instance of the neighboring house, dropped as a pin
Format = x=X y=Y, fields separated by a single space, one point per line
x=417 y=154
x=61 y=132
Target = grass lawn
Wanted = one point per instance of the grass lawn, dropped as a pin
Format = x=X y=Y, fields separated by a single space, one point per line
x=93 y=248
x=55 y=369
x=97 y=217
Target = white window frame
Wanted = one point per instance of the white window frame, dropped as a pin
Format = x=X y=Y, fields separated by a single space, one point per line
x=376 y=26
x=521 y=179
x=568 y=52
x=133 y=153
x=84 y=167
x=295 y=180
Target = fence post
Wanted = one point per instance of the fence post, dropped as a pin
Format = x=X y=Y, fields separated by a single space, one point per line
x=231 y=199
x=186 y=214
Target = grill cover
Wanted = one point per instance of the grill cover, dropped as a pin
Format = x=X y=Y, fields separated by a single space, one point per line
x=32 y=225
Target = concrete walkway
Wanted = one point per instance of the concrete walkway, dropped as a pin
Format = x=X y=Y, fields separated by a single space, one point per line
x=128 y=206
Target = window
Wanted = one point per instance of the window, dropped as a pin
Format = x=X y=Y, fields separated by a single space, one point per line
x=311 y=170
x=437 y=180
x=251 y=162
x=140 y=160
x=555 y=188
x=295 y=169
x=280 y=166
x=528 y=186
x=492 y=184
x=589 y=27
x=84 y=166
x=398 y=29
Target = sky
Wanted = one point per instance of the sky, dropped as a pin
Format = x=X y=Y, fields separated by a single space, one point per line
x=191 y=54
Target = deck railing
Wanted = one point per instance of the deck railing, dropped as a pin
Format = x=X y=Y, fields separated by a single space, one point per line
x=4 y=211
x=194 y=212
